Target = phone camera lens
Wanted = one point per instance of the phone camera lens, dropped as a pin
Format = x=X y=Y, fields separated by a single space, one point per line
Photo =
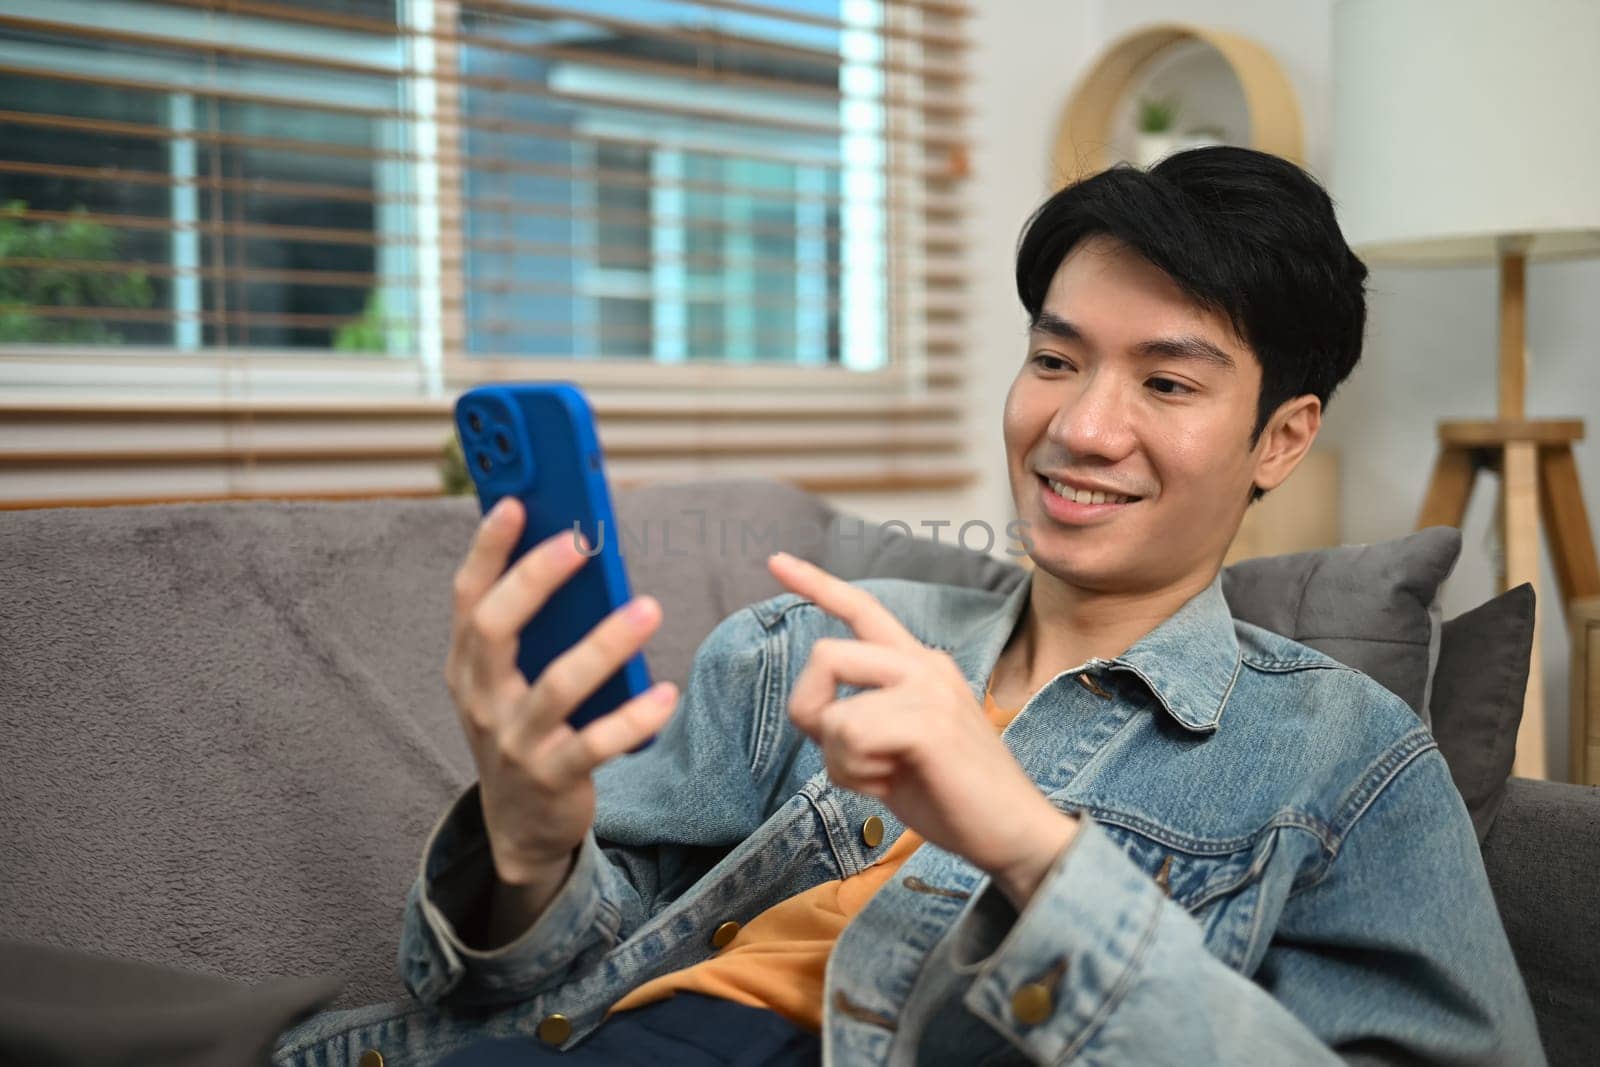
x=483 y=462
x=475 y=422
x=502 y=444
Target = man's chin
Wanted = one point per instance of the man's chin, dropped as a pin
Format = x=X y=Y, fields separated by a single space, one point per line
x=1083 y=571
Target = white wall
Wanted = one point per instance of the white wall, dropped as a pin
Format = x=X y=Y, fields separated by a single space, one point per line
x=1431 y=339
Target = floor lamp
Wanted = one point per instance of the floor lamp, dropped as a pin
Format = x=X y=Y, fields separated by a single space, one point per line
x=1460 y=137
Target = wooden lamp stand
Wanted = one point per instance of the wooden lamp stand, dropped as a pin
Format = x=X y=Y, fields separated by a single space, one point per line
x=1539 y=482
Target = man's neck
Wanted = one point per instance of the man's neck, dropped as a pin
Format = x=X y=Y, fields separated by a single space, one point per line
x=1064 y=626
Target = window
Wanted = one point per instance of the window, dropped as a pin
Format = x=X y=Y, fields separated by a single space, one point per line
x=649 y=179
x=647 y=195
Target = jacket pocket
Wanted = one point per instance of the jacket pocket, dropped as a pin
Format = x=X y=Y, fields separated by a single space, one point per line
x=1219 y=882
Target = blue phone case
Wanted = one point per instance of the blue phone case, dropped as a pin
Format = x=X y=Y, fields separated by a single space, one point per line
x=536 y=441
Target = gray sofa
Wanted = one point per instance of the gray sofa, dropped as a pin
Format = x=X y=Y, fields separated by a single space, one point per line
x=225 y=732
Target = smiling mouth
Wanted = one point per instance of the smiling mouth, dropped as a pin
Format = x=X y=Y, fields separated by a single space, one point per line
x=1085 y=496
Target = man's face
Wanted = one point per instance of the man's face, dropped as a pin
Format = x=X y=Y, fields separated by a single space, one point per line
x=1096 y=406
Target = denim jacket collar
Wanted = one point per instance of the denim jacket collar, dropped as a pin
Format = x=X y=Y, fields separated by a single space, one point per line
x=1189 y=662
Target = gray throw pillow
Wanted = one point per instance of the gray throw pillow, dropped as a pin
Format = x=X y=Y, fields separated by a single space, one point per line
x=1477 y=698
x=1371 y=607
x=64 y=1007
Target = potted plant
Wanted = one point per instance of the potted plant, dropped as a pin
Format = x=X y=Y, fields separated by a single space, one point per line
x=454 y=478
x=1156 y=122
x=369 y=333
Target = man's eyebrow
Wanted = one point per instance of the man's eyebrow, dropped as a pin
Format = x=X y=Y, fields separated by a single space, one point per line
x=1191 y=346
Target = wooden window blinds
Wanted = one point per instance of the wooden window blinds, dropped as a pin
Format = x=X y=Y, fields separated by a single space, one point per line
x=737 y=223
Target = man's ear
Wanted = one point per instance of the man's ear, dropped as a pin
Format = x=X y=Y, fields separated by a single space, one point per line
x=1286 y=440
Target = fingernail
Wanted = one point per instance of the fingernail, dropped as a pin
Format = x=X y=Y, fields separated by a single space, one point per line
x=500 y=510
x=663 y=692
x=639 y=609
x=580 y=542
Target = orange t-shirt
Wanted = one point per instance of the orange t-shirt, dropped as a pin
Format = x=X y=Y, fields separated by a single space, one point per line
x=777 y=960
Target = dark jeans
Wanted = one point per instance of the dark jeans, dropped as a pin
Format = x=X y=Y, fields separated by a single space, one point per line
x=685 y=1030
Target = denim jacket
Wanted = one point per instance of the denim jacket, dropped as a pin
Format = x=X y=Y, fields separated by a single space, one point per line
x=1273 y=867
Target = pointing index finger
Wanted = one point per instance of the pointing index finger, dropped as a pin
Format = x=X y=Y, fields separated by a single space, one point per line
x=857 y=608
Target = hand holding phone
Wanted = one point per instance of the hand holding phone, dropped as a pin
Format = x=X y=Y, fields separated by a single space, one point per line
x=534 y=766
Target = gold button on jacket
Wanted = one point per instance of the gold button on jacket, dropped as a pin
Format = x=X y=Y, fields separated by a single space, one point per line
x=872 y=831
x=725 y=935
x=1031 y=1004
x=370 y=1058
x=555 y=1029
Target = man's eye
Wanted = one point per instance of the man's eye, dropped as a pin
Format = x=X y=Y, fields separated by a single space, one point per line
x=1168 y=387
x=1044 y=362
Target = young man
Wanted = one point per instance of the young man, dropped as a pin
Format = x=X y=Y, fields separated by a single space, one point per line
x=1194 y=841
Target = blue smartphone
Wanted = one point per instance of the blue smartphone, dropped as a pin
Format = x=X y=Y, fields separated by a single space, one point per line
x=536 y=441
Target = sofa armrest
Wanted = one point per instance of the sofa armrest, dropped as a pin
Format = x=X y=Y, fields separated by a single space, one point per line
x=1542 y=855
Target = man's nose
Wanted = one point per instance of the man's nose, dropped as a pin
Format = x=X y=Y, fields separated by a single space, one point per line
x=1096 y=420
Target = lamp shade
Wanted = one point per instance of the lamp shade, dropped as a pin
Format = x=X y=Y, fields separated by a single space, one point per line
x=1462 y=126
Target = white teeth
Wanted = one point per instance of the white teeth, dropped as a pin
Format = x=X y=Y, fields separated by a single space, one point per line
x=1085 y=496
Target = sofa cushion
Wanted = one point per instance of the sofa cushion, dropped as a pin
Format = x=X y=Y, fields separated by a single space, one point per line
x=1371 y=607
x=229 y=734
x=64 y=1007
x=1477 y=698
x=700 y=548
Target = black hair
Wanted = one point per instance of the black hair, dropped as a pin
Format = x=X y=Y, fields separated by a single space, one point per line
x=1243 y=233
